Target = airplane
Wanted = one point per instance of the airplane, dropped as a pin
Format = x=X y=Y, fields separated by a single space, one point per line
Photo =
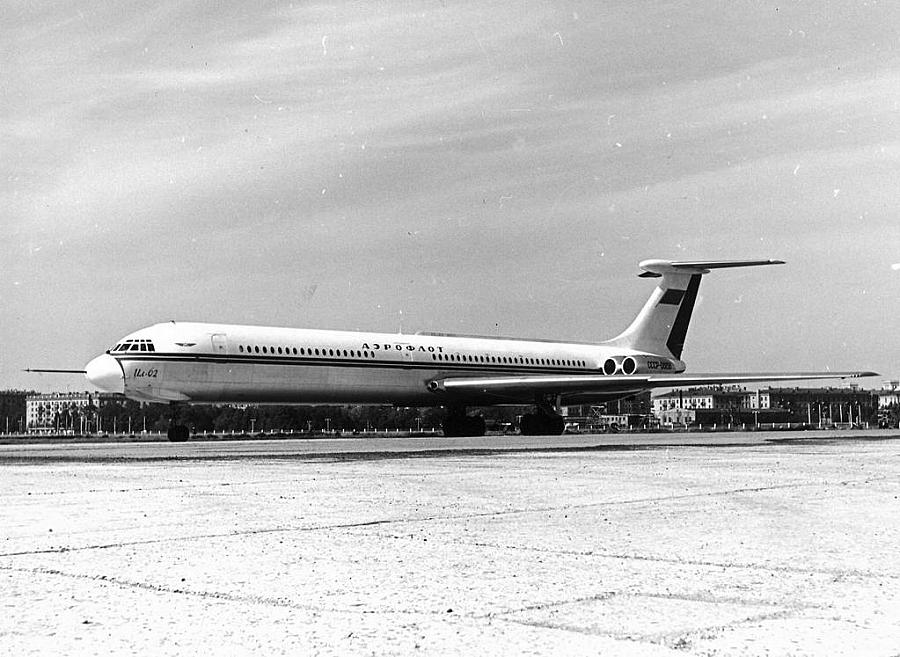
x=201 y=363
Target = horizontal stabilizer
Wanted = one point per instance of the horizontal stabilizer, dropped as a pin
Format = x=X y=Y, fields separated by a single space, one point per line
x=656 y=268
x=661 y=326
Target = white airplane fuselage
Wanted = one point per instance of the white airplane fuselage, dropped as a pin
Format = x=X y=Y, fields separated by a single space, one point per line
x=215 y=363
x=226 y=363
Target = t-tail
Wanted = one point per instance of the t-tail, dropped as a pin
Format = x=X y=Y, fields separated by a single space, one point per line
x=661 y=326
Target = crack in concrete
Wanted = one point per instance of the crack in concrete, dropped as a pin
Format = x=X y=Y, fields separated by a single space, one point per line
x=682 y=637
x=675 y=640
x=599 y=597
x=180 y=486
x=231 y=597
x=462 y=516
x=833 y=572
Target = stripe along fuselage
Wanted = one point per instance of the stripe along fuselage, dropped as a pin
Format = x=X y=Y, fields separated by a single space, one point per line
x=194 y=362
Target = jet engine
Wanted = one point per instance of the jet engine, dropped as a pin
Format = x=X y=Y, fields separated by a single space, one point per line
x=629 y=365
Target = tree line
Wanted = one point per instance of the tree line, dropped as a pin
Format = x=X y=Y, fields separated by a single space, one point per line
x=123 y=416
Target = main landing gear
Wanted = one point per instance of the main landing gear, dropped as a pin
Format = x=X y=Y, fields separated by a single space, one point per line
x=458 y=424
x=544 y=422
x=178 y=433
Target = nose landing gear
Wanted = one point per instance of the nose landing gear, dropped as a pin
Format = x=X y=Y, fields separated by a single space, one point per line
x=177 y=433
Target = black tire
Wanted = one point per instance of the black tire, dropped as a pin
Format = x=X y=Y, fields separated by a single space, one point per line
x=459 y=427
x=541 y=425
x=475 y=426
x=528 y=425
x=556 y=425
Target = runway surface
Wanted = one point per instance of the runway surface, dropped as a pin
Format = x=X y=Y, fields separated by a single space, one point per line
x=700 y=544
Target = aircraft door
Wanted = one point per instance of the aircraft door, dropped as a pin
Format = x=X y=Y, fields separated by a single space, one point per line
x=219 y=343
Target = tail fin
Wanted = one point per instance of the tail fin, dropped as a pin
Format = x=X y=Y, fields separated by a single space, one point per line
x=661 y=326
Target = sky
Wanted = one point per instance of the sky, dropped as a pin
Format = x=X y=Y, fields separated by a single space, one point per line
x=493 y=168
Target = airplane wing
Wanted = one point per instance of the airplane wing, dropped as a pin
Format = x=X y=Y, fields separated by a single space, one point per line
x=529 y=386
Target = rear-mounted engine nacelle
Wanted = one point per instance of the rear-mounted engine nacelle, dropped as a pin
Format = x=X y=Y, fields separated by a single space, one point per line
x=629 y=365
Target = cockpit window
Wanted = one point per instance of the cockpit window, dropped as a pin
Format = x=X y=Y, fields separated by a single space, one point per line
x=134 y=345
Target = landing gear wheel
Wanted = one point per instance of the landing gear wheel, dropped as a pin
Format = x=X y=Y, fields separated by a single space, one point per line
x=456 y=426
x=475 y=425
x=541 y=424
x=178 y=433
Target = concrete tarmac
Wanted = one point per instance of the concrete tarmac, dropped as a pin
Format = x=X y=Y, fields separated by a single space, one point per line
x=700 y=544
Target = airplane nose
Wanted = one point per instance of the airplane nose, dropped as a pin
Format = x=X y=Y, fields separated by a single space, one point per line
x=106 y=373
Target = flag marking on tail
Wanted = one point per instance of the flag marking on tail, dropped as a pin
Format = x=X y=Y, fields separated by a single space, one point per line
x=672 y=296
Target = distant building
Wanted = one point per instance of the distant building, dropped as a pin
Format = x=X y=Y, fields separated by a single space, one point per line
x=736 y=405
x=630 y=412
x=12 y=411
x=820 y=406
x=725 y=405
x=706 y=398
x=889 y=395
x=65 y=412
